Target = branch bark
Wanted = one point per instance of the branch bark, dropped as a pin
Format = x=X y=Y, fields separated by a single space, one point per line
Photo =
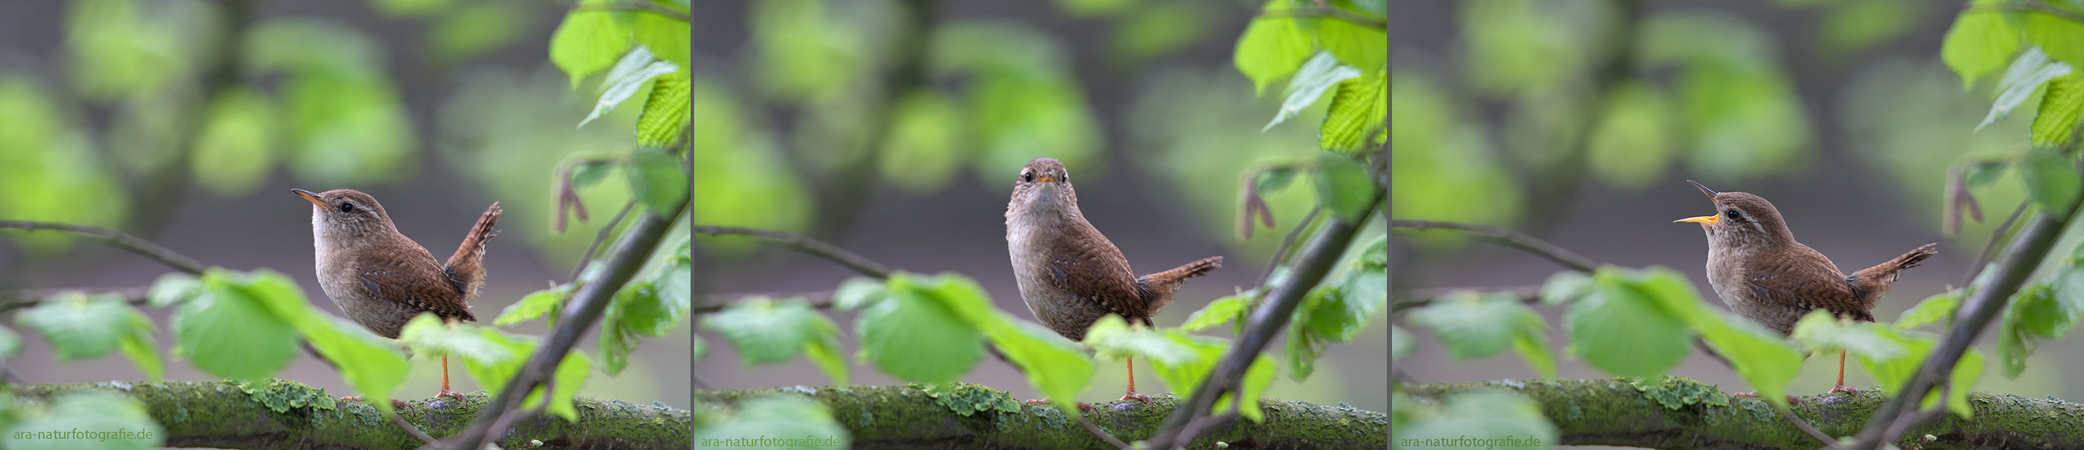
x=221 y=414
x=910 y=417
x=1509 y=238
x=804 y=244
x=116 y=239
x=1614 y=412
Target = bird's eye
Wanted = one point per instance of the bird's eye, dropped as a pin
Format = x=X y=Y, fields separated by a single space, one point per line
x=347 y=207
x=1733 y=215
x=1027 y=177
x=1066 y=178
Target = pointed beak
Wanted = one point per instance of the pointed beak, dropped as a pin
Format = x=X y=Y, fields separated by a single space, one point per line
x=1045 y=177
x=1703 y=189
x=1710 y=220
x=308 y=196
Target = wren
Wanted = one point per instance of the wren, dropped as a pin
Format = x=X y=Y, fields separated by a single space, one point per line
x=1069 y=275
x=382 y=279
x=1759 y=270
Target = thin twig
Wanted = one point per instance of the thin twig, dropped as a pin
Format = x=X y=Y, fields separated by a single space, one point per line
x=1280 y=253
x=1509 y=238
x=601 y=237
x=1315 y=261
x=1095 y=429
x=399 y=420
x=717 y=302
x=117 y=239
x=1418 y=298
x=804 y=244
x=1976 y=268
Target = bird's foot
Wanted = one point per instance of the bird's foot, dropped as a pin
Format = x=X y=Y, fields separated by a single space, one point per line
x=1130 y=395
x=351 y=398
x=1846 y=389
x=1792 y=400
x=450 y=394
x=1043 y=401
x=400 y=405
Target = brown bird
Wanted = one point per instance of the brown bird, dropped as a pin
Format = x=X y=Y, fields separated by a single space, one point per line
x=1069 y=275
x=1759 y=270
x=381 y=278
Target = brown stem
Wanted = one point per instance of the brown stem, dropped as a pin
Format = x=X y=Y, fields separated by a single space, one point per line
x=602 y=237
x=1282 y=251
x=804 y=244
x=1509 y=238
x=116 y=239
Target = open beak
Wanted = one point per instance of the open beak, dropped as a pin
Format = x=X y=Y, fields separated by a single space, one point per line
x=1710 y=219
x=308 y=196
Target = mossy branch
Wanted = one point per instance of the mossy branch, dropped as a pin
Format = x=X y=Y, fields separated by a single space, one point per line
x=912 y=416
x=225 y=415
x=1681 y=414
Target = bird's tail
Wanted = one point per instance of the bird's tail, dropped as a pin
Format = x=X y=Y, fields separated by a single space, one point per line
x=1876 y=280
x=467 y=266
x=1159 y=287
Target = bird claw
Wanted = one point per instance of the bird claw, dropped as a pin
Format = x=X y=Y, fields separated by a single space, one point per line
x=1792 y=400
x=450 y=394
x=1144 y=398
x=400 y=404
x=1846 y=389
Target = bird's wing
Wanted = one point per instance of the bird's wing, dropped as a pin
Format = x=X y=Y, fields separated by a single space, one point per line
x=1103 y=275
x=1791 y=282
x=414 y=279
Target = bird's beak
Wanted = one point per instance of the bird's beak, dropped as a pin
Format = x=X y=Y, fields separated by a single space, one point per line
x=1703 y=189
x=1709 y=219
x=313 y=198
x=1045 y=177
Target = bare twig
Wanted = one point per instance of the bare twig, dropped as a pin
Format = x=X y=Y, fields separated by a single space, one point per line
x=804 y=244
x=1315 y=261
x=116 y=239
x=1418 y=298
x=717 y=302
x=2020 y=259
x=601 y=237
x=1976 y=268
x=589 y=303
x=1281 y=253
x=1509 y=238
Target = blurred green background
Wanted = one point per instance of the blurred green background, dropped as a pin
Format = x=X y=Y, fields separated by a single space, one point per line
x=895 y=129
x=1578 y=121
x=187 y=122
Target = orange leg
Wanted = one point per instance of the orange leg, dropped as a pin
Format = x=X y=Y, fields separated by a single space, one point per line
x=445 y=392
x=1840 y=386
x=1132 y=382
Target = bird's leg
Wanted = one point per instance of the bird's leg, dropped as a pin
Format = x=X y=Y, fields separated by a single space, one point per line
x=445 y=392
x=1132 y=383
x=1841 y=377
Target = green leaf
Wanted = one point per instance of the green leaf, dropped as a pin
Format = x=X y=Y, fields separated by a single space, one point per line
x=428 y=336
x=1319 y=74
x=647 y=312
x=1978 y=44
x=587 y=42
x=1343 y=188
x=1485 y=412
x=172 y=289
x=10 y=343
x=1939 y=307
x=1531 y=341
x=1302 y=348
x=2052 y=181
x=620 y=85
x=1823 y=331
x=2056 y=121
x=1257 y=377
x=666 y=36
x=1621 y=329
x=571 y=374
x=777 y=415
x=89 y=411
x=1469 y=325
x=234 y=149
x=1271 y=48
x=590 y=172
x=138 y=345
x=533 y=306
x=78 y=326
x=658 y=181
x=1892 y=372
x=477 y=28
x=230 y=332
x=372 y=364
x=667 y=111
x=1400 y=343
x=915 y=338
x=1631 y=140
x=1355 y=45
x=857 y=292
x=1358 y=118
x=1345 y=311
x=1273 y=179
x=2035 y=313
x=1565 y=287
x=924 y=144
x=1983 y=173
x=2062 y=38
x=1055 y=366
x=766 y=331
x=2020 y=82
x=1221 y=311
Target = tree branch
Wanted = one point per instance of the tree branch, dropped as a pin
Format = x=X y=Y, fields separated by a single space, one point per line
x=1419 y=298
x=1981 y=306
x=601 y=237
x=629 y=254
x=908 y=417
x=1315 y=261
x=223 y=415
x=1614 y=412
x=1281 y=253
x=804 y=244
x=116 y=239
x=1509 y=238
x=717 y=302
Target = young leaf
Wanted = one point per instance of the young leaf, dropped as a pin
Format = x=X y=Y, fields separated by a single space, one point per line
x=78 y=326
x=1978 y=44
x=915 y=338
x=2052 y=181
x=1623 y=330
x=1354 y=44
x=1939 y=307
x=667 y=36
x=571 y=373
x=667 y=111
x=230 y=332
x=1218 y=312
x=173 y=288
x=587 y=173
x=2061 y=37
x=1257 y=377
x=657 y=180
x=1486 y=413
x=1272 y=47
x=372 y=364
x=535 y=305
x=95 y=410
x=2056 y=121
x=1320 y=74
x=1467 y=324
x=621 y=89
x=1273 y=179
x=776 y=415
x=857 y=292
x=1532 y=343
x=140 y=346
x=1054 y=365
x=586 y=42
x=1823 y=331
x=1358 y=118
x=1343 y=188
x=1565 y=287
x=766 y=332
x=1400 y=343
x=10 y=343
x=2018 y=92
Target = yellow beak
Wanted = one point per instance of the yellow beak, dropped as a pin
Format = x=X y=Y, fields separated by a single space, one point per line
x=1710 y=220
x=1045 y=177
x=308 y=196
